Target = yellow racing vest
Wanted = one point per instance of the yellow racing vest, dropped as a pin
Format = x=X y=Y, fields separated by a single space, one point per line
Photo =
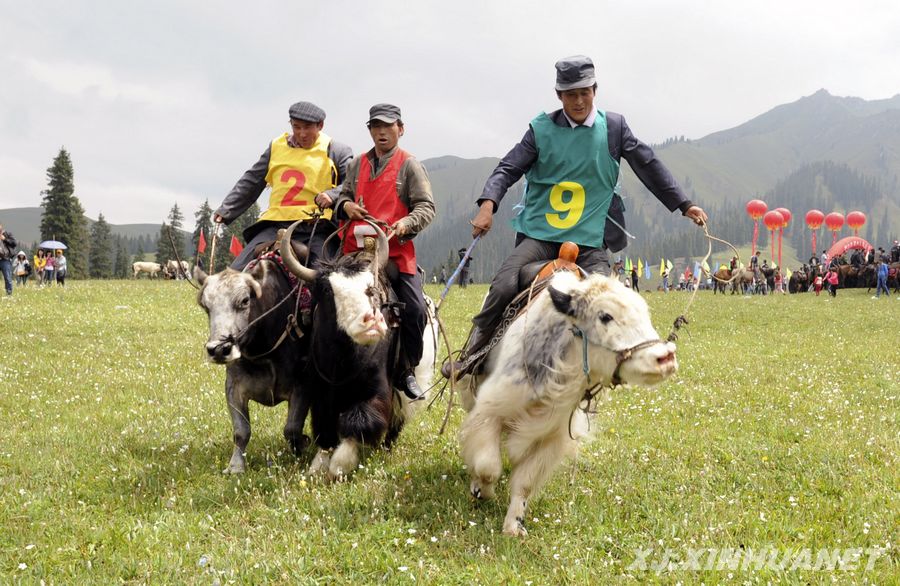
x=297 y=176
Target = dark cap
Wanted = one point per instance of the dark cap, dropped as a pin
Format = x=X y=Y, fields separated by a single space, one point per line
x=574 y=73
x=385 y=113
x=307 y=111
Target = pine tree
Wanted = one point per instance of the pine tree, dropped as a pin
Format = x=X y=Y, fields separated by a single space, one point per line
x=140 y=254
x=123 y=260
x=62 y=217
x=164 y=250
x=101 y=265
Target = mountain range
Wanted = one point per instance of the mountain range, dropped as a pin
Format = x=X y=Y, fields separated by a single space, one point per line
x=834 y=153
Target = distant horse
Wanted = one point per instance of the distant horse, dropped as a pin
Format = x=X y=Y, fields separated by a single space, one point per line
x=720 y=279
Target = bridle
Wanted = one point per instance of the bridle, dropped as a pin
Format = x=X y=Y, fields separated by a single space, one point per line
x=622 y=356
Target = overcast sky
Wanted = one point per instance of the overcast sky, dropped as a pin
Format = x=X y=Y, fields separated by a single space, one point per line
x=168 y=101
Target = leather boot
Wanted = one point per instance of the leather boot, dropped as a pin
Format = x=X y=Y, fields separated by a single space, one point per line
x=462 y=366
x=410 y=386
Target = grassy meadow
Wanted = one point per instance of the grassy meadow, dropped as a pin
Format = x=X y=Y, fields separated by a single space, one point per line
x=780 y=431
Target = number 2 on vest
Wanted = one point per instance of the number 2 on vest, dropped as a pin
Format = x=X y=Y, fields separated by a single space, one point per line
x=299 y=180
x=570 y=208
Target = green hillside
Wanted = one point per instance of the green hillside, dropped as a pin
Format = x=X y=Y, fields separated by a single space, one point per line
x=25 y=225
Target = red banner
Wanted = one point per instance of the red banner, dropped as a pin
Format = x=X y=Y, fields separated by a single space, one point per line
x=236 y=246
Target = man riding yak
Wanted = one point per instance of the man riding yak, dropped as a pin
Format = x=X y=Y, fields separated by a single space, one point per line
x=570 y=158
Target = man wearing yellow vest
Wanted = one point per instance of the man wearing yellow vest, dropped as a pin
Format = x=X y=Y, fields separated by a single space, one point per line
x=305 y=169
x=389 y=184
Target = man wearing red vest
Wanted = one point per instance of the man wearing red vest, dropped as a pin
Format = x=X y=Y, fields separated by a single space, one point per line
x=302 y=167
x=389 y=184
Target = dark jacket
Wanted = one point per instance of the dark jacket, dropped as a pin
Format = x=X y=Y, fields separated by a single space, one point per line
x=7 y=247
x=622 y=144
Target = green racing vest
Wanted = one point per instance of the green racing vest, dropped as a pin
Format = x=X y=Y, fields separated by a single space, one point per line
x=571 y=184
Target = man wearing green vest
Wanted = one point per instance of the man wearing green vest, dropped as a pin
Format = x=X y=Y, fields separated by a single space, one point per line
x=305 y=169
x=570 y=159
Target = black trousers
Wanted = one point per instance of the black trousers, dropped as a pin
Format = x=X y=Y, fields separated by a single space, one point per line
x=505 y=285
x=412 y=319
x=267 y=231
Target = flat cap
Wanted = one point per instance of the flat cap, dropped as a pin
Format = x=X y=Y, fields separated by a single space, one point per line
x=307 y=111
x=574 y=73
x=385 y=113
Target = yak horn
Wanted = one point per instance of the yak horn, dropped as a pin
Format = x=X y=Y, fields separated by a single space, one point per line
x=381 y=249
x=290 y=259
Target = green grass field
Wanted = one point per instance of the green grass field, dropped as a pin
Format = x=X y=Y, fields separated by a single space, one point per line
x=779 y=432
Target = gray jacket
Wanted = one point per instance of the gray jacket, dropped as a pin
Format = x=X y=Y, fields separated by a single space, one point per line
x=251 y=184
x=8 y=246
x=413 y=187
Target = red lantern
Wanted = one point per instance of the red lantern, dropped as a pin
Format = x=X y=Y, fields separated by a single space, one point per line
x=814 y=219
x=856 y=220
x=773 y=221
x=756 y=208
x=835 y=222
x=786 y=214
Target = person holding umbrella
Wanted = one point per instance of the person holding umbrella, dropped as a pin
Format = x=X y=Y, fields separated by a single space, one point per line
x=49 y=269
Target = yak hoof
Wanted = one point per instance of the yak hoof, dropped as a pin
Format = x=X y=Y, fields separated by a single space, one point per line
x=481 y=491
x=515 y=529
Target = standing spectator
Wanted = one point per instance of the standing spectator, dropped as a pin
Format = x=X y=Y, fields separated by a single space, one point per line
x=61 y=268
x=634 y=279
x=831 y=277
x=7 y=250
x=49 y=269
x=870 y=257
x=824 y=259
x=817 y=284
x=21 y=268
x=40 y=261
x=779 y=281
x=895 y=252
x=464 y=272
x=443 y=279
x=882 y=280
x=665 y=282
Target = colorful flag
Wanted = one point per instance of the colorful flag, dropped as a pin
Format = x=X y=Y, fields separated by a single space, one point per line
x=662 y=267
x=668 y=265
x=201 y=245
x=640 y=266
x=236 y=246
x=627 y=264
x=705 y=266
x=647 y=271
x=697 y=268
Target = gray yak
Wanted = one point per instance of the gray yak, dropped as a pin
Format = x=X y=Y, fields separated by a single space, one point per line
x=264 y=358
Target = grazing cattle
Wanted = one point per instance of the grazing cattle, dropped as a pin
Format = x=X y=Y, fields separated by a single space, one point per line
x=151 y=268
x=535 y=379
x=264 y=359
x=172 y=269
x=351 y=358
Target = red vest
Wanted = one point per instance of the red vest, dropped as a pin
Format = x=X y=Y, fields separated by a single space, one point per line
x=380 y=197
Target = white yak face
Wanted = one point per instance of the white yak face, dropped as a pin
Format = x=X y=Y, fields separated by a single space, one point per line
x=227 y=297
x=356 y=314
x=614 y=318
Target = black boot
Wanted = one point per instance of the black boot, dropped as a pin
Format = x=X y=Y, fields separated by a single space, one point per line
x=410 y=386
x=477 y=340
